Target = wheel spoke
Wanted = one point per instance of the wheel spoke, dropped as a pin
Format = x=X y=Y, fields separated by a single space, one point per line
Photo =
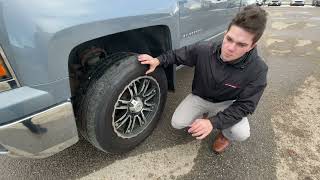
x=149 y=104
x=123 y=101
x=146 y=87
x=136 y=106
x=131 y=125
x=143 y=117
x=124 y=121
x=122 y=117
x=130 y=91
x=140 y=120
x=153 y=90
x=135 y=88
x=147 y=109
x=122 y=107
x=150 y=95
x=142 y=87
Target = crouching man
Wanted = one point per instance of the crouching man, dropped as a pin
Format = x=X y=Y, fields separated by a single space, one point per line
x=229 y=80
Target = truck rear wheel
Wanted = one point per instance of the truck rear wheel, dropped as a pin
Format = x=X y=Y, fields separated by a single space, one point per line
x=122 y=105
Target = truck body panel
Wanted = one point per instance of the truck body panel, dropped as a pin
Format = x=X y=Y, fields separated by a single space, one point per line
x=37 y=38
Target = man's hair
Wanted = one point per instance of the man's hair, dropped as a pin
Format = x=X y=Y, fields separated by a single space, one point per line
x=252 y=19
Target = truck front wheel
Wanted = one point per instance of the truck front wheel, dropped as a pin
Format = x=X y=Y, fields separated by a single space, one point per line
x=122 y=105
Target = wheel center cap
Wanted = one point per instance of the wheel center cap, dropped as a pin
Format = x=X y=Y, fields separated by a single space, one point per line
x=136 y=105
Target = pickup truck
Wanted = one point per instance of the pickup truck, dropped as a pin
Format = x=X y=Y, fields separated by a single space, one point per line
x=70 y=67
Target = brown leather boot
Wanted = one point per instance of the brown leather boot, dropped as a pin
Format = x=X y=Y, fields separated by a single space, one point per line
x=220 y=143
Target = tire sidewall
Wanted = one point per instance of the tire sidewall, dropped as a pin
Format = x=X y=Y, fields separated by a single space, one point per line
x=112 y=83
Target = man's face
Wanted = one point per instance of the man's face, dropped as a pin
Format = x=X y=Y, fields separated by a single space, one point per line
x=236 y=43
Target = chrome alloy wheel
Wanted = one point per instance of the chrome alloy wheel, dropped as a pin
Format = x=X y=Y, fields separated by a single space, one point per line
x=136 y=107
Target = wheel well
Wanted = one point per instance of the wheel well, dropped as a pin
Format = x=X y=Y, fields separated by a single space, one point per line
x=152 y=40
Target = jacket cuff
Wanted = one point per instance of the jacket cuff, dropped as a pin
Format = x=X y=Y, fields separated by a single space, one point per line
x=160 y=58
x=216 y=123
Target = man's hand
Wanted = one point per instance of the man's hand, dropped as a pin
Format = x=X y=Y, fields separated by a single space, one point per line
x=200 y=128
x=147 y=59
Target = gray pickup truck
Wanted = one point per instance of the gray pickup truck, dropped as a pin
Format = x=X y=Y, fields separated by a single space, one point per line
x=70 y=66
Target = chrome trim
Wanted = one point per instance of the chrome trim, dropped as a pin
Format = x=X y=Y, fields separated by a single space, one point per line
x=212 y=37
x=4 y=152
x=208 y=39
x=6 y=62
x=41 y=135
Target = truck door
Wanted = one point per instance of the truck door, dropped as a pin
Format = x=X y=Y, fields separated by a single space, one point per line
x=201 y=19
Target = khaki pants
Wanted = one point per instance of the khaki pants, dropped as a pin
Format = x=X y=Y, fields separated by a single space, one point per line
x=193 y=107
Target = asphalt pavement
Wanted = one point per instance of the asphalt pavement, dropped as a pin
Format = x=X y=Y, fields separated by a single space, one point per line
x=284 y=142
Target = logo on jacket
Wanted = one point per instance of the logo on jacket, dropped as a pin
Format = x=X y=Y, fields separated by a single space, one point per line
x=232 y=85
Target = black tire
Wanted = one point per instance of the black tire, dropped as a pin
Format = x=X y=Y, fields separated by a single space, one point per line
x=100 y=107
